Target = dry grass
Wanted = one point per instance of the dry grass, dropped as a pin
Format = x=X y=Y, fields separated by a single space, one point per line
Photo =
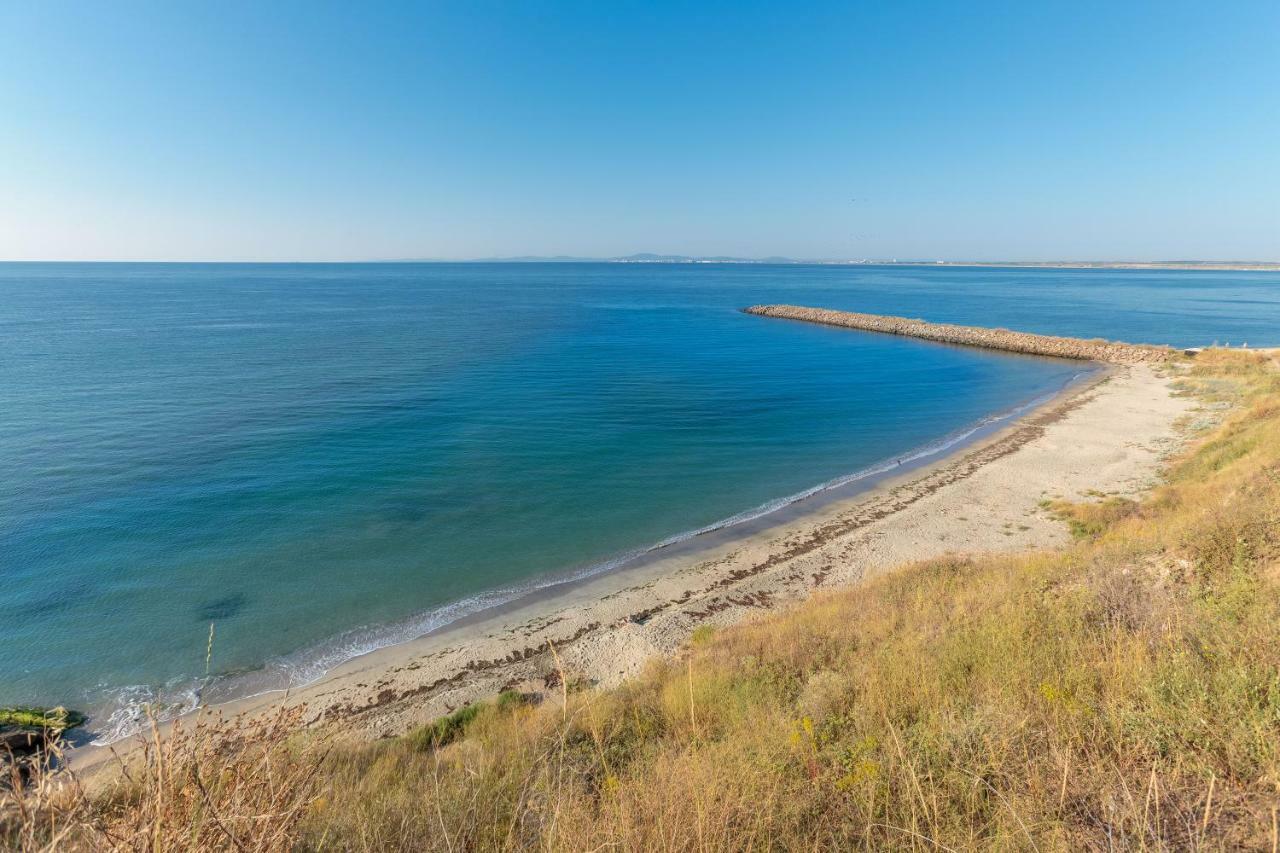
x=236 y=785
x=1123 y=693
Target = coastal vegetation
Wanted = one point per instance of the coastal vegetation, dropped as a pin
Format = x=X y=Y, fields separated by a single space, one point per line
x=26 y=733
x=58 y=719
x=1120 y=693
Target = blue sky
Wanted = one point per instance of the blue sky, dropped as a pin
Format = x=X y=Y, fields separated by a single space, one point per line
x=328 y=131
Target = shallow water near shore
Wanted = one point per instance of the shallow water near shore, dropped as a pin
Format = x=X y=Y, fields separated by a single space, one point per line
x=319 y=460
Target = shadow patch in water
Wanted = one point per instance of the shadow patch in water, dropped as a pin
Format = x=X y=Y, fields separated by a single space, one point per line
x=221 y=608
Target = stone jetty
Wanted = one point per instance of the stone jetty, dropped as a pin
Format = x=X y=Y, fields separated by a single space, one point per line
x=976 y=336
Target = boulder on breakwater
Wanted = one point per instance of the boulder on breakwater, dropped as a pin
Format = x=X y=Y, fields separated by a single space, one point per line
x=976 y=336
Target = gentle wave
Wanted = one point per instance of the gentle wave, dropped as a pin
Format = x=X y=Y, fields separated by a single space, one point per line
x=124 y=710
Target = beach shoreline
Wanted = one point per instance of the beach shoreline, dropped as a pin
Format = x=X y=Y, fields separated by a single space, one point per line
x=1106 y=433
x=312 y=664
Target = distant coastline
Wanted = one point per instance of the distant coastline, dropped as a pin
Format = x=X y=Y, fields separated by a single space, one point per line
x=1219 y=266
x=651 y=258
x=645 y=258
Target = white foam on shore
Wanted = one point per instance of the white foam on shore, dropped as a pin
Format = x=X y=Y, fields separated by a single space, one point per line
x=124 y=711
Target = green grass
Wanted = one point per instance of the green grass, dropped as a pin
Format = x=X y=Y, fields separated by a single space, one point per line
x=448 y=728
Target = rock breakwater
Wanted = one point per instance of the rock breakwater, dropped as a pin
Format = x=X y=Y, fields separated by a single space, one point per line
x=975 y=336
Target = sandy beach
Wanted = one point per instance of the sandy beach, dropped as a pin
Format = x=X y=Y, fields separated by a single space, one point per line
x=1107 y=435
x=639 y=428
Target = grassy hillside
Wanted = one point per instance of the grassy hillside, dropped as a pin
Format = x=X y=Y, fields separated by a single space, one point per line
x=1122 y=693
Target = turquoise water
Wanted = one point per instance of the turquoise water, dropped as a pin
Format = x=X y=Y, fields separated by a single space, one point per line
x=323 y=459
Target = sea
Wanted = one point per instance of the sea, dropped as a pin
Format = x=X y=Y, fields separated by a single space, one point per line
x=217 y=478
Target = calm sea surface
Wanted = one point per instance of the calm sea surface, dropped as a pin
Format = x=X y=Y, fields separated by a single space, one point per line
x=322 y=459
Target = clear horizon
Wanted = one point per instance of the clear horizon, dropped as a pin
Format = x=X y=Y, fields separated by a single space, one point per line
x=691 y=259
x=296 y=133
